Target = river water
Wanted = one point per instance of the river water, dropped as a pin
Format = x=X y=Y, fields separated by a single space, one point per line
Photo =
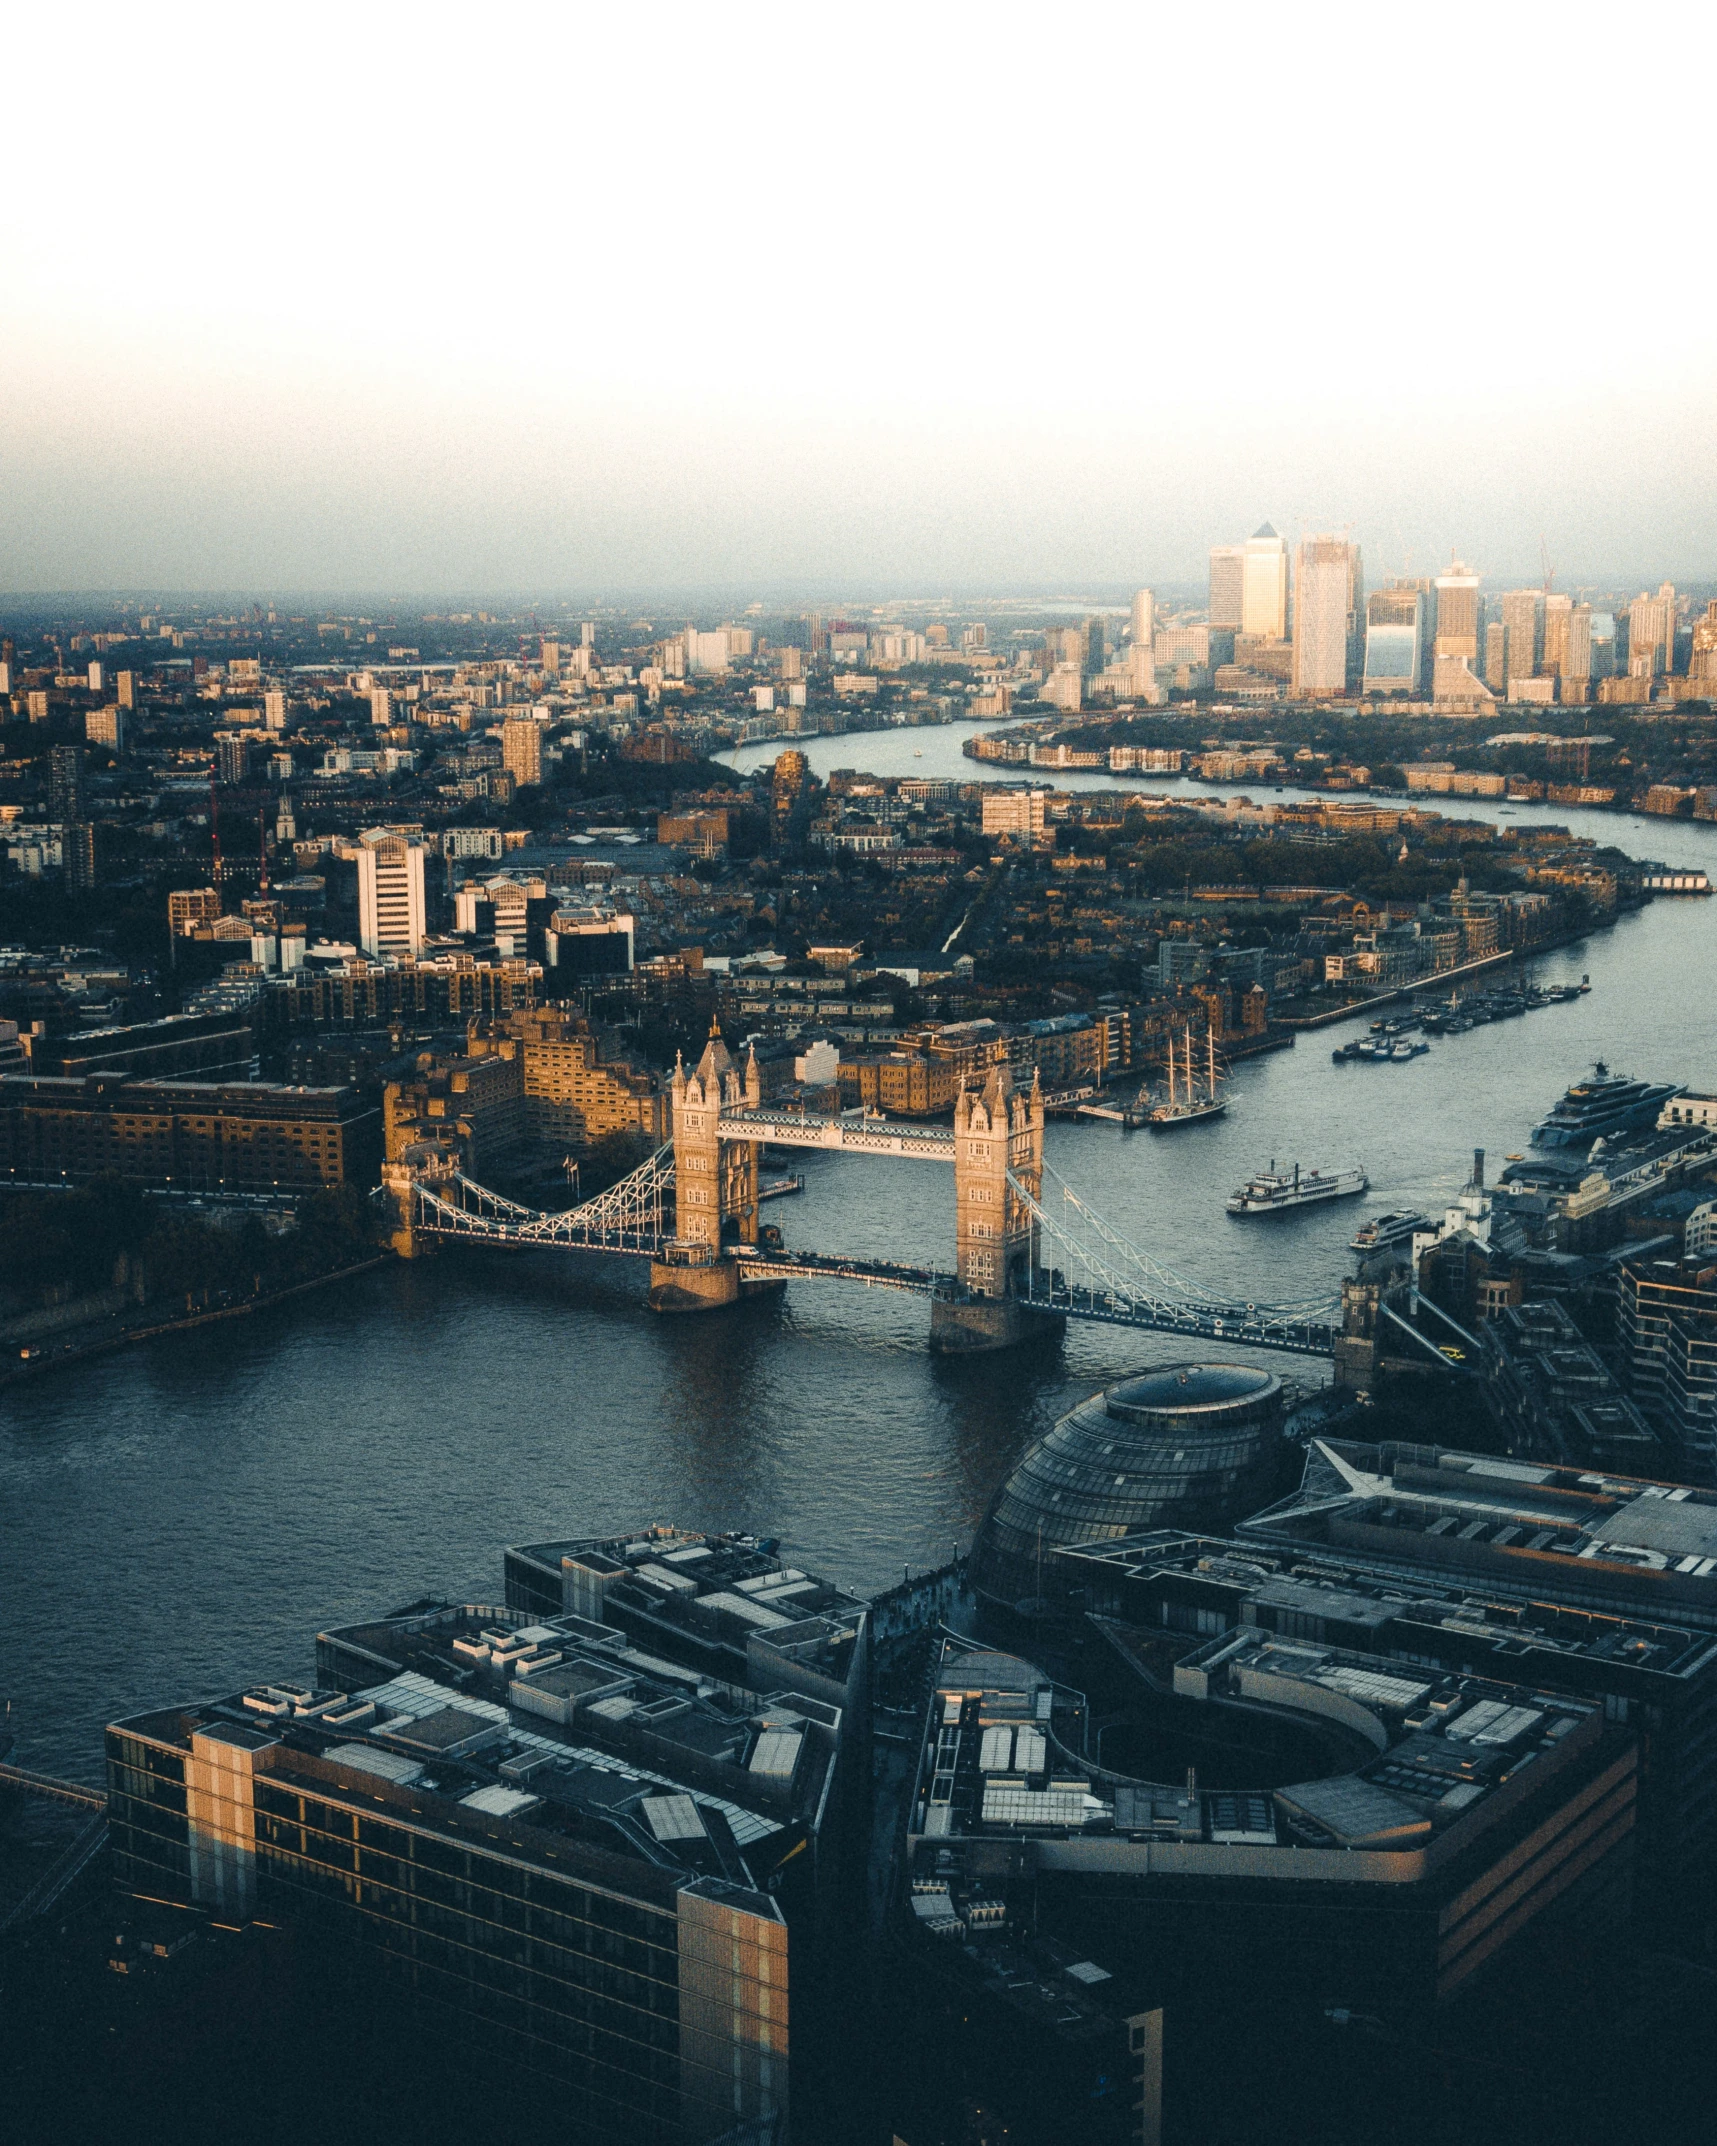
x=180 y=1518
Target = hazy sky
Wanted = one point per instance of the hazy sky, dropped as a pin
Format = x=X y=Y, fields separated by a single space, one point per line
x=433 y=299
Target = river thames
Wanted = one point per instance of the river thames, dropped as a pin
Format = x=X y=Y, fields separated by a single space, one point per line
x=180 y=1518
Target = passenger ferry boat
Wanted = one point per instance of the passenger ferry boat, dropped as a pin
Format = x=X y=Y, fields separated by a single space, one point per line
x=1274 y=1191
x=1594 y=1109
x=1384 y=1232
x=1198 y=1094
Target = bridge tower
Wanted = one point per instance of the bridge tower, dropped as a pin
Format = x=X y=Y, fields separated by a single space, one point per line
x=715 y=1183
x=998 y=1141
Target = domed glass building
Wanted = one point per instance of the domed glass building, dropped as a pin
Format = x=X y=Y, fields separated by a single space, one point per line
x=1189 y=1445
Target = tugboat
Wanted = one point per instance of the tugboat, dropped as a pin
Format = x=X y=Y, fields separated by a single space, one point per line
x=1274 y=1191
x=1199 y=1094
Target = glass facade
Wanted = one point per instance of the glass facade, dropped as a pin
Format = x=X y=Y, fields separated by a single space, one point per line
x=1391 y=656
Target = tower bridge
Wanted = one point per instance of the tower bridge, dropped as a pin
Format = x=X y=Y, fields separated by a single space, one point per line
x=710 y=1249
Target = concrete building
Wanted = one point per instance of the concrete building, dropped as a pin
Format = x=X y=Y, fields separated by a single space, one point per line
x=1329 y=599
x=577 y=1085
x=1666 y=1329
x=392 y=916
x=1264 y=585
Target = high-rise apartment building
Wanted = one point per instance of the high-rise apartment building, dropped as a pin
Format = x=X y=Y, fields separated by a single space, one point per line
x=1523 y=616
x=381 y=707
x=1328 y=599
x=189 y=907
x=1394 y=639
x=1264 y=590
x=1460 y=620
x=1228 y=586
x=65 y=784
x=522 y=749
x=392 y=917
x=127 y=683
x=274 y=709
x=106 y=726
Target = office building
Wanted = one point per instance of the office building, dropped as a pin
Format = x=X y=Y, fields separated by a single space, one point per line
x=1191 y=1442
x=1644 y=1668
x=192 y=1135
x=1457 y=627
x=1558 y=617
x=610 y=1873
x=595 y=940
x=522 y=749
x=391 y=910
x=1394 y=639
x=1228 y=587
x=1329 y=599
x=1523 y=617
x=1496 y=656
x=1427 y=1818
x=1651 y=633
x=1264 y=586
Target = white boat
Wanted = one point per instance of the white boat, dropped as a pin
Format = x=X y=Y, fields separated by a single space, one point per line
x=1274 y=1191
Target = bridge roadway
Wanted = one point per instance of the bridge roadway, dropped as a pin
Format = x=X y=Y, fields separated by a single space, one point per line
x=852 y=1133
x=1236 y=1325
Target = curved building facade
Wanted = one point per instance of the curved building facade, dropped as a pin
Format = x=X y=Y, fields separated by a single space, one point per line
x=1186 y=1445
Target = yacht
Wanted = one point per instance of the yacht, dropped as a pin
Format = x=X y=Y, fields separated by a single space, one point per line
x=1595 y=1109
x=1274 y=1191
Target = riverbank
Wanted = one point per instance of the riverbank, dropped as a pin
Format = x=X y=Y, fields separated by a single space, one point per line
x=1357 y=1007
x=70 y=1353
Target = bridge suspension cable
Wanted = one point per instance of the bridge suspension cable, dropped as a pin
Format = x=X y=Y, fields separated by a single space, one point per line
x=629 y=1217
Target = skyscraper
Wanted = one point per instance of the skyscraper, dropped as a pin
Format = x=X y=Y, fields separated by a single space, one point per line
x=1496 y=656
x=1558 y=611
x=1523 y=615
x=391 y=912
x=1228 y=586
x=1651 y=633
x=1328 y=598
x=1141 y=656
x=1459 y=619
x=1394 y=639
x=1264 y=593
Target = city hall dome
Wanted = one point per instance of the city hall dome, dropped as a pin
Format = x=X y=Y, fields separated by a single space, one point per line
x=1187 y=1445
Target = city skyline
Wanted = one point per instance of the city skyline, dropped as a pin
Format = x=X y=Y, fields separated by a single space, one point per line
x=787 y=308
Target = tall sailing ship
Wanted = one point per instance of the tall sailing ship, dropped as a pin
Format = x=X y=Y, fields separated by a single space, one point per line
x=1196 y=1087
